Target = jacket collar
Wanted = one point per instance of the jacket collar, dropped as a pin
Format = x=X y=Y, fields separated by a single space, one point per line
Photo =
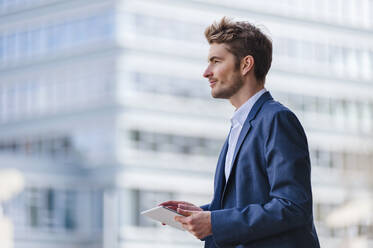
x=265 y=97
x=243 y=111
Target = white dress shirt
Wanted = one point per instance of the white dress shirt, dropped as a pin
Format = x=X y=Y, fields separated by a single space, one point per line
x=237 y=121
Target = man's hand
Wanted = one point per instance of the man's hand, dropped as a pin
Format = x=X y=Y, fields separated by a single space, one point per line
x=197 y=223
x=180 y=204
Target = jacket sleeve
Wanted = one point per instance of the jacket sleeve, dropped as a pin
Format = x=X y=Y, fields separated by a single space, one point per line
x=205 y=207
x=288 y=171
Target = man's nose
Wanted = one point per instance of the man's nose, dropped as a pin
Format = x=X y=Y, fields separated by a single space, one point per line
x=207 y=73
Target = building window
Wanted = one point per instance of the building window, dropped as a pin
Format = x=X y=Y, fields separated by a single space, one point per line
x=49 y=209
x=70 y=210
x=58 y=147
x=161 y=142
x=168 y=28
x=322 y=210
x=342 y=60
x=36 y=95
x=162 y=84
x=342 y=160
x=55 y=37
x=357 y=115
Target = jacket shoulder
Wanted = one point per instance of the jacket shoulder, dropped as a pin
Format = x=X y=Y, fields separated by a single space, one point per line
x=274 y=113
x=272 y=108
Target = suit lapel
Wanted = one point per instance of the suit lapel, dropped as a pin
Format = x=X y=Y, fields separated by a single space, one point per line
x=219 y=174
x=244 y=131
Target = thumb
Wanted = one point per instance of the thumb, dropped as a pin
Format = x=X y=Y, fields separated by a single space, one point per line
x=180 y=219
x=185 y=212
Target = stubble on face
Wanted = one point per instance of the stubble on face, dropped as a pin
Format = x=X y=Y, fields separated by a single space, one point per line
x=230 y=89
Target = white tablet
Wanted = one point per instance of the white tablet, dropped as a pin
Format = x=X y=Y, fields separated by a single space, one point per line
x=164 y=215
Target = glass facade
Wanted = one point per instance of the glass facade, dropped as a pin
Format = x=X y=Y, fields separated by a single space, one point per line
x=22 y=44
x=44 y=209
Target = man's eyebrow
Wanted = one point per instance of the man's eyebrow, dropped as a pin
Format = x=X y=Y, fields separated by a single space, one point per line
x=212 y=58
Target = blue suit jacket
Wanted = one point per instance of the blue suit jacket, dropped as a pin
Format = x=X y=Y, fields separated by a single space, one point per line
x=267 y=201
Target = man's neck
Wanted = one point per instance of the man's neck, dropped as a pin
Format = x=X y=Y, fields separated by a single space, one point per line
x=244 y=94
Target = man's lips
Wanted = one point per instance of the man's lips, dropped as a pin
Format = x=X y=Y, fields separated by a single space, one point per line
x=212 y=83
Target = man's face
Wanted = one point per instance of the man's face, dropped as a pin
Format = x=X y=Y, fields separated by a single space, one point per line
x=225 y=79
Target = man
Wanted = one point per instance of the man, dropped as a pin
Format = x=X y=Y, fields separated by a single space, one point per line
x=262 y=190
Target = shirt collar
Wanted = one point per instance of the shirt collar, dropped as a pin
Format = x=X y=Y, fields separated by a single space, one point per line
x=242 y=112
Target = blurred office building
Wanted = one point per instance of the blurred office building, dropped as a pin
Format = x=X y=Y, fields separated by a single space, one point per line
x=11 y=182
x=104 y=110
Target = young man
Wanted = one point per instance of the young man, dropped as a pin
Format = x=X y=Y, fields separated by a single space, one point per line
x=262 y=189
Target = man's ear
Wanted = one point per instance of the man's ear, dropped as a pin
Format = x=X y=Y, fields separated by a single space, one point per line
x=247 y=64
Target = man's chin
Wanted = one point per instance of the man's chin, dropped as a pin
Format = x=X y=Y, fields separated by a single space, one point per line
x=214 y=95
x=219 y=95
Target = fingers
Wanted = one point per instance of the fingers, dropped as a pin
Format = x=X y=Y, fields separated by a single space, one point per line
x=198 y=223
x=187 y=224
x=175 y=203
x=170 y=204
x=180 y=204
x=167 y=203
x=189 y=207
x=171 y=207
x=184 y=212
x=181 y=220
